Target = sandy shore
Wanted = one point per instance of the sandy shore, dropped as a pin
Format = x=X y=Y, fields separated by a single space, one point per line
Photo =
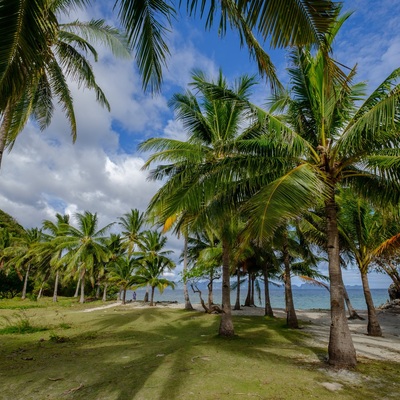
x=317 y=323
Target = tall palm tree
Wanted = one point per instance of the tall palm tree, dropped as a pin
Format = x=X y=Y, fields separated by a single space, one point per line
x=213 y=127
x=86 y=249
x=37 y=60
x=322 y=139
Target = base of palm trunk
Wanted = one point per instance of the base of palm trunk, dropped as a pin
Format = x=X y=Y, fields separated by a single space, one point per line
x=226 y=326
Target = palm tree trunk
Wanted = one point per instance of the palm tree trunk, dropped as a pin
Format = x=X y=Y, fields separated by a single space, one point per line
x=97 y=291
x=124 y=296
x=105 y=293
x=152 y=296
x=253 y=279
x=55 y=292
x=374 y=329
x=268 y=308
x=78 y=285
x=237 y=303
x=291 y=317
x=341 y=350
x=247 y=302
x=41 y=290
x=146 y=296
x=188 y=304
x=24 y=288
x=82 y=299
x=226 y=324
x=210 y=291
x=352 y=312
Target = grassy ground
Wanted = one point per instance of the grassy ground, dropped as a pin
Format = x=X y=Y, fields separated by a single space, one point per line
x=122 y=354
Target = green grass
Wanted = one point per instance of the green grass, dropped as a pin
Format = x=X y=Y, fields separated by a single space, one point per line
x=149 y=354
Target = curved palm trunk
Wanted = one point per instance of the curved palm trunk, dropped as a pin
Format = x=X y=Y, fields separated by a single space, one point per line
x=188 y=304
x=226 y=324
x=82 y=299
x=105 y=293
x=24 y=288
x=374 y=329
x=41 y=290
x=55 y=292
x=237 y=303
x=291 y=317
x=152 y=296
x=352 y=312
x=268 y=309
x=341 y=348
x=78 y=285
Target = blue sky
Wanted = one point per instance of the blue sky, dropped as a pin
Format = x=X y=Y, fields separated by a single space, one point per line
x=101 y=172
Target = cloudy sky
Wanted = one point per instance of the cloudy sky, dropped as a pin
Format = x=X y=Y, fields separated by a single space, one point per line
x=45 y=173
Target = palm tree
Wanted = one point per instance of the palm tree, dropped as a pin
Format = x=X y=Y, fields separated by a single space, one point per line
x=122 y=272
x=49 y=251
x=20 y=255
x=214 y=126
x=321 y=140
x=132 y=224
x=37 y=61
x=154 y=262
x=365 y=232
x=86 y=249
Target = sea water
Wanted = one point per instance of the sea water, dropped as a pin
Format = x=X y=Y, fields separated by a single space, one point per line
x=304 y=299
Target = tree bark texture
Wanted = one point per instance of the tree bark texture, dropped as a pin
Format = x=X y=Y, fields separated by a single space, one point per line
x=24 y=288
x=152 y=296
x=341 y=350
x=55 y=292
x=188 y=304
x=237 y=303
x=291 y=317
x=268 y=309
x=82 y=299
x=105 y=292
x=226 y=324
x=373 y=329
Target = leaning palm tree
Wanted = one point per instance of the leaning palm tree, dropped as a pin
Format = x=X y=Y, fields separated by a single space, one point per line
x=85 y=248
x=37 y=61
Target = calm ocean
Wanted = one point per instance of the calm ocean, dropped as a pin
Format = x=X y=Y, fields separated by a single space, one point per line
x=304 y=299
